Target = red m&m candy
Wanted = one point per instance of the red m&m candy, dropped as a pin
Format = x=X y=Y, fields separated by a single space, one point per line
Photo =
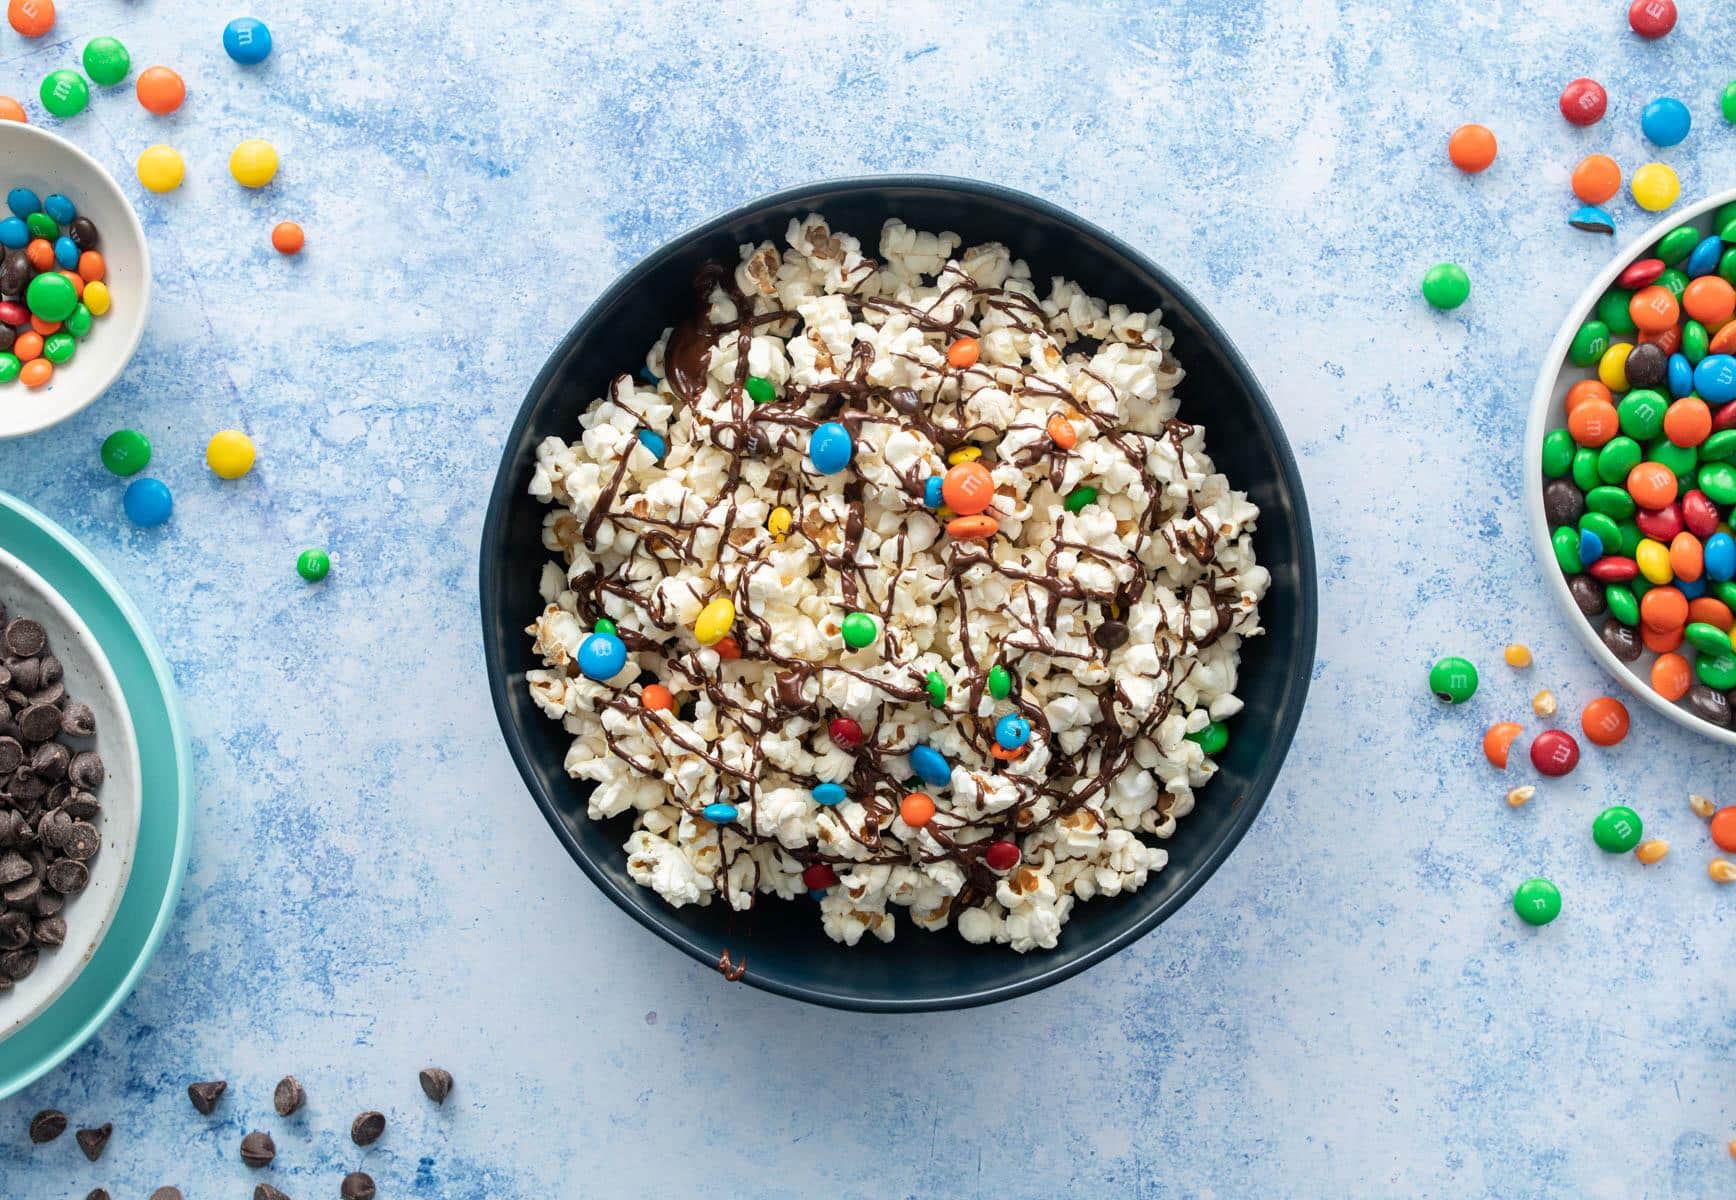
x=1001 y=856
x=1583 y=101
x=845 y=733
x=1652 y=18
x=1554 y=752
x=819 y=877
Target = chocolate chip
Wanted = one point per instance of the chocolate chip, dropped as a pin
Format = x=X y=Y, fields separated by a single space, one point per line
x=54 y=829
x=11 y=755
x=52 y=671
x=288 y=1095
x=52 y=694
x=26 y=638
x=266 y=1192
x=98 y=1194
x=80 y=806
x=16 y=965
x=94 y=1141
x=167 y=1193
x=1645 y=366
x=1708 y=704
x=257 y=1149
x=1111 y=635
x=357 y=1185
x=1623 y=642
x=39 y=722
x=67 y=876
x=205 y=1095
x=436 y=1083
x=23 y=893
x=82 y=840
x=1563 y=504
x=49 y=761
x=49 y=901
x=13 y=867
x=27 y=785
x=50 y=931
x=1587 y=594
x=26 y=675
x=366 y=1129
x=47 y=1125
x=15 y=930
x=86 y=770
x=77 y=719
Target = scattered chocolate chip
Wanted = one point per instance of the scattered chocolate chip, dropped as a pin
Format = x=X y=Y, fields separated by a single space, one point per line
x=205 y=1095
x=67 y=876
x=94 y=1141
x=51 y=694
x=82 y=840
x=23 y=893
x=288 y=1096
x=26 y=638
x=257 y=1149
x=86 y=770
x=77 y=719
x=49 y=761
x=436 y=1083
x=366 y=1129
x=52 y=671
x=357 y=1185
x=39 y=722
x=167 y=1193
x=13 y=867
x=26 y=675
x=48 y=1124
x=266 y=1192
x=1111 y=635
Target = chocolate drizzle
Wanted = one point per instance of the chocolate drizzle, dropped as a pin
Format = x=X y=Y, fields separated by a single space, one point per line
x=749 y=432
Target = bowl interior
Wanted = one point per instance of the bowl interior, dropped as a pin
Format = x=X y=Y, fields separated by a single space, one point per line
x=88 y=678
x=45 y=163
x=1549 y=411
x=783 y=944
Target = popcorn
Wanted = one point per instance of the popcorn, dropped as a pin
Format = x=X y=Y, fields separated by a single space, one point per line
x=1162 y=558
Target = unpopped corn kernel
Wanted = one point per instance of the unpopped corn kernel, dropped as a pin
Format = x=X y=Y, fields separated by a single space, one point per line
x=1518 y=655
x=1543 y=703
x=1519 y=795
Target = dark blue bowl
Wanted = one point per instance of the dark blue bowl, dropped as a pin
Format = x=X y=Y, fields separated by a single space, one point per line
x=782 y=943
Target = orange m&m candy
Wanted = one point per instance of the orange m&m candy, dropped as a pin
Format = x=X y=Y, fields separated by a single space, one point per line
x=1605 y=720
x=1671 y=675
x=1593 y=423
x=968 y=488
x=1471 y=148
x=1652 y=485
x=36 y=372
x=1724 y=341
x=1661 y=641
x=727 y=648
x=32 y=18
x=40 y=252
x=287 y=238
x=1596 y=178
x=160 y=90
x=27 y=346
x=917 y=809
x=1061 y=432
x=1499 y=740
x=11 y=110
x=963 y=353
x=1663 y=609
x=1723 y=829
x=1688 y=421
x=1710 y=300
x=1709 y=610
x=44 y=327
x=1687 y=558
x=968 y=529
x=91 y=266
x=1588 y=389
x=657 y=698
x=1654 y=309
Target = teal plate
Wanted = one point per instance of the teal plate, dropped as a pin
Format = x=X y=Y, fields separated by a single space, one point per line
x=166 y=811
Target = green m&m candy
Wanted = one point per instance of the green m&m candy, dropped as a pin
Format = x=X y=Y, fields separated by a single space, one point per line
x=1610 y=501
x=1707 y=638
x=1212 y=739
x=1617 y=829
x=1557 y=453
x=1624 y=606
x=1619 y=455
x=1454 y=679
x=1000 y=682
x=1584 y=469
x=1695 y=341
x=1589 y=344
x=1719 y=446
x=78 y=324
x=1642 y=413
x=1565 y=542
x=43 y=226
x=51 y=296
x=935 y=685
x=9 y=367
x=64 y=93
x=58 y=347
x=1607 y=531
x=1612 y=310
x=859 y=630
x=760 y=391
x=603 y=625
x=1717 y=671
x=126 y=452
x=1727 y=102
x=1677 y=244
x=1446 y=286
x=107 y=61
x=1079 y=497
x=313 y=565
x=1537 y=901
x=1674 y=282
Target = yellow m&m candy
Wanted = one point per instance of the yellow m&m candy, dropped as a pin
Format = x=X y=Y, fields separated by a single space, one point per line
x=96 y=297
x=1655 y=187
x=253 y=163
x=161 y=169
x=230 y=454
x=714 y=621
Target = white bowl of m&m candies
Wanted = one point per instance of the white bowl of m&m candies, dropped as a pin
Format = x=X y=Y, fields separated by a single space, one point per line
x=1630 y=467
x=75 y=279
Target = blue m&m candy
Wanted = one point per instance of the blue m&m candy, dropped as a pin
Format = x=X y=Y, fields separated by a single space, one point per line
x=1665 y=121
x=1012 y=731
x=66 y=252
x=1691 y=589
x=60 y=208
x=601 y=656
x=148 y=502
x=1680 y=374
x=1703 y=258
x=1590 y=547
x=829 y=794
x=1592 y=219
x=830 y=448
x=14 y=233
x=720 y=814
x=1715 y=379
x=1720 y=557
x=654 y=442
x=931 y=493
x=930 y=766
x=247 y=40
x=23 y=202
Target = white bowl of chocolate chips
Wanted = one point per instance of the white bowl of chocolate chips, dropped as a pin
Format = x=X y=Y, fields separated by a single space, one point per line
x=69 y=795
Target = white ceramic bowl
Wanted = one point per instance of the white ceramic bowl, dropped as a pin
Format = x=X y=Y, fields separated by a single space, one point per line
x=1548 y=411
x=88 y=678
x=39 y=160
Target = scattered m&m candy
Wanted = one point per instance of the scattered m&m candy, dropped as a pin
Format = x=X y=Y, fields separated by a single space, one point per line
x=106 y=60
x=1655 y=187
x=313 y=565
x=230 y=454
x=1596 y=179
x=1723 y=829
x=830 y=448
x=1001 y=856
x=817 y=877
x=1453 y=679
x=1604 y=720
x=1665 y=121
x=1012 y=731
x=859 y=630
x=1617 y=829
x=253 y=163
x=148 y=502
x=287 y=238
x=247 y=40
x=160 y=90
x=31 y=18
x=1554 y=752
x=1583 y=101
x=161 y=168
x=968 y=488
x=916 y=809
x=719 y=813
x=930 y=765
x=126 y=452
x=1537 y=901
x=1471 y=148
x=1446 y=286
x=714 y=620
x=845 y=733
x=64 y=93
x=601 y=656
x=11 y=110
x=829 y=794
x=1652 y=18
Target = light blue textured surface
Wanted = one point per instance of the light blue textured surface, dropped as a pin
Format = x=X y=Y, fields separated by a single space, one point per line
x=1347 y=1008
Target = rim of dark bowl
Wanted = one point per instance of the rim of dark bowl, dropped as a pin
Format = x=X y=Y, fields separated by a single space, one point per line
x=509 y=481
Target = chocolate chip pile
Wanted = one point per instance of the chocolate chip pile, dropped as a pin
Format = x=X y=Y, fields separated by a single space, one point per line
x=48 y=805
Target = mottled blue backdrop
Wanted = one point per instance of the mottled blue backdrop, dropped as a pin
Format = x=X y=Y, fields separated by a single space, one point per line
x=1348 y=1008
